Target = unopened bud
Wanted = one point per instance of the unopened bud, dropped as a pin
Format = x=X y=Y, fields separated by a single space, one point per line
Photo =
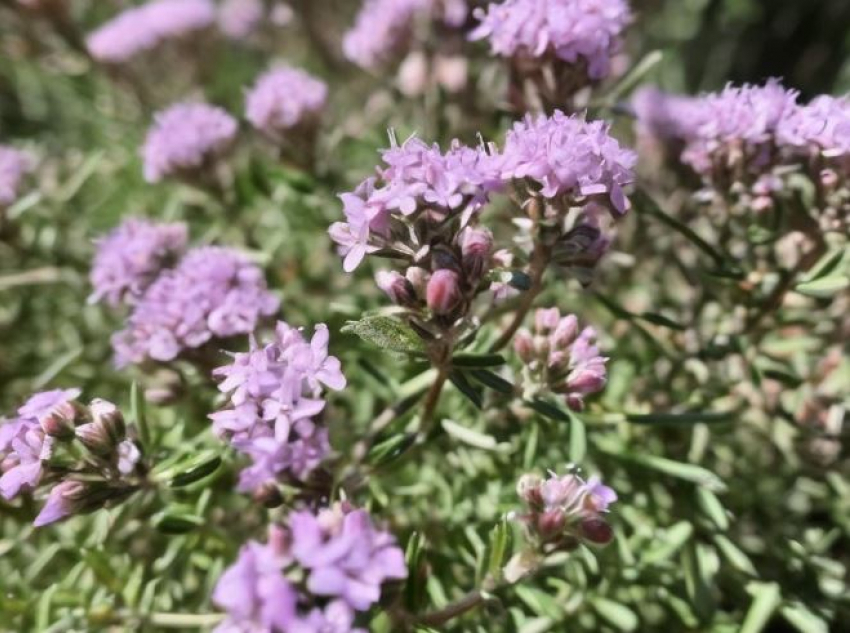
x=528 y=489
x=524 y=346
x=551 y=523
x=452 y=72
x=60 y=421
x=565 y=332
x=443 y=292
x=413 y=74
x=418 y=278
x=398 y=288
x=105 y=431
x=597 y=531
x=587 y=381
x=546 y=319
x=475 y=247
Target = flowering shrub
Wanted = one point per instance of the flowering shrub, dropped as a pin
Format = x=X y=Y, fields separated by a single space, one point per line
x=423 y=315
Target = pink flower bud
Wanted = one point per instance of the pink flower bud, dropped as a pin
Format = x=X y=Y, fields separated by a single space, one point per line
x=565 y=331
x=524 y=345
x=475 y=247
x=413 y=74
x=452 y=72
x=546 y=319
x=586 y=380
x=597 y=531
x=397 y=287
x=528 y=489
x=551 y=523
x=59 y=422
x=443 y=292
x=105 y=431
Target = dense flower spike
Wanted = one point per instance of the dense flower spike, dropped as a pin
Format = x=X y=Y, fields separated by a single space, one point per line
x=45 y=423
x=238 y=19
x=560 y=358
x=283 y=99
x=383 y=27
x=341 y=559
x=214 y=293
x=14 y=165
x=275 y=395
x=130 y=258
x=569 y=158
x=417 y=178
x=185 y=138
x=145 y=27
x=586 y=32
x=563 y=510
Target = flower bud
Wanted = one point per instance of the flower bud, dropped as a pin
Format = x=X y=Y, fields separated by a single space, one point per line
x=443 y=292
x=597 y=531
x=109 y=417
x=475 y=247
x=452 y=72
x=528 y=489
x=418 y=277
x=565 y=331
x=128 y=457
x=413 y=74
x=60 y=421
x=586 y=381
x=546 y=319
x=524 y=345
x=551 y=523
x=397 y=287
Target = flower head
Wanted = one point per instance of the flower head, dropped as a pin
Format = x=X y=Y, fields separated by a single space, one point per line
x=129 y=258
x=214 y=293
x=14 y=165
x=382 y=27
x=568 y=157
x=238 y=19
x=274 y=397
x=574 y=31
x=184 y=138
x=283 y=99
x=560 y=358
x=142 y=28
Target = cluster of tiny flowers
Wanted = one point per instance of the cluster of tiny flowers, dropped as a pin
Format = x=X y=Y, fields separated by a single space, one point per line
x=820 y=131
x=574 y=31
x=185 y=138
x=213 y=293
x=312 y=575
x=566 y=510
x=665 y=117
x=383 y=28
x=131 y=257
x=568 y=158
x=560 y=358
x=275 y=395
x=14 y=165
x=145 y=27
x=418 y=180
x=238 y=19
x=30 y=442
x=283 y=99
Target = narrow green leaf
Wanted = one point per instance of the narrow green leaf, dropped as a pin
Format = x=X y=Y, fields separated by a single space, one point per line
x=466 y=359
x=390 y=449
x=713 y=509
x=635 y=76
x=499 y=543
x=196 y=473
x=460 y=381
x=530 y=451
x=137 y=414
x=493 y=381
x=56 y=367
x=616 y=614
x=802 y=619
x=663 y=321
x=578 y=439
x=766 y=599
x=548 y=409
x=672 y=541
x=694 y=417
x=734 y=555
x=825 y=287
x=469 y=436
x=388 y=333
x=688 y=472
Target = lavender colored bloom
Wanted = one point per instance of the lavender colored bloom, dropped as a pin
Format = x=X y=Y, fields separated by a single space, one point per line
x=275 y=394
x=666 y=117
x=64 y=500
x=184 y=138
x=14 y=165
x=567 y=156
x=142 y=28
x=349 y=557
x=417 y=177
x=382 y=27
x=283 y=99
x=574 y=31
x=238 y=19
x=822 y=127
x=24 y=445
x=560 y=358
x=346 y=556
x=214 y=293
x=129 y=258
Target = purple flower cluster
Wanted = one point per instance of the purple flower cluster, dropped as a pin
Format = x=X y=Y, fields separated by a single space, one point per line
x=417 y=178
x=568 y=157
x=238 y=19
x=131 y=257
x=275 y=395
x=820 y=130
x=584 y=32
x=186 y=137
x=213 y=293
x=285 y=98
x=566 y=509
x=665 y=117
x=313 y=575
x=46 y=422
x=145 y=27
x=383 y=28
x=560 y=358
x=14 y=165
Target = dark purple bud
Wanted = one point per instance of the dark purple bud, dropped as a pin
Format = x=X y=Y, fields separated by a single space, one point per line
x=398 y=288
x=597 y=531
x=443 y=292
